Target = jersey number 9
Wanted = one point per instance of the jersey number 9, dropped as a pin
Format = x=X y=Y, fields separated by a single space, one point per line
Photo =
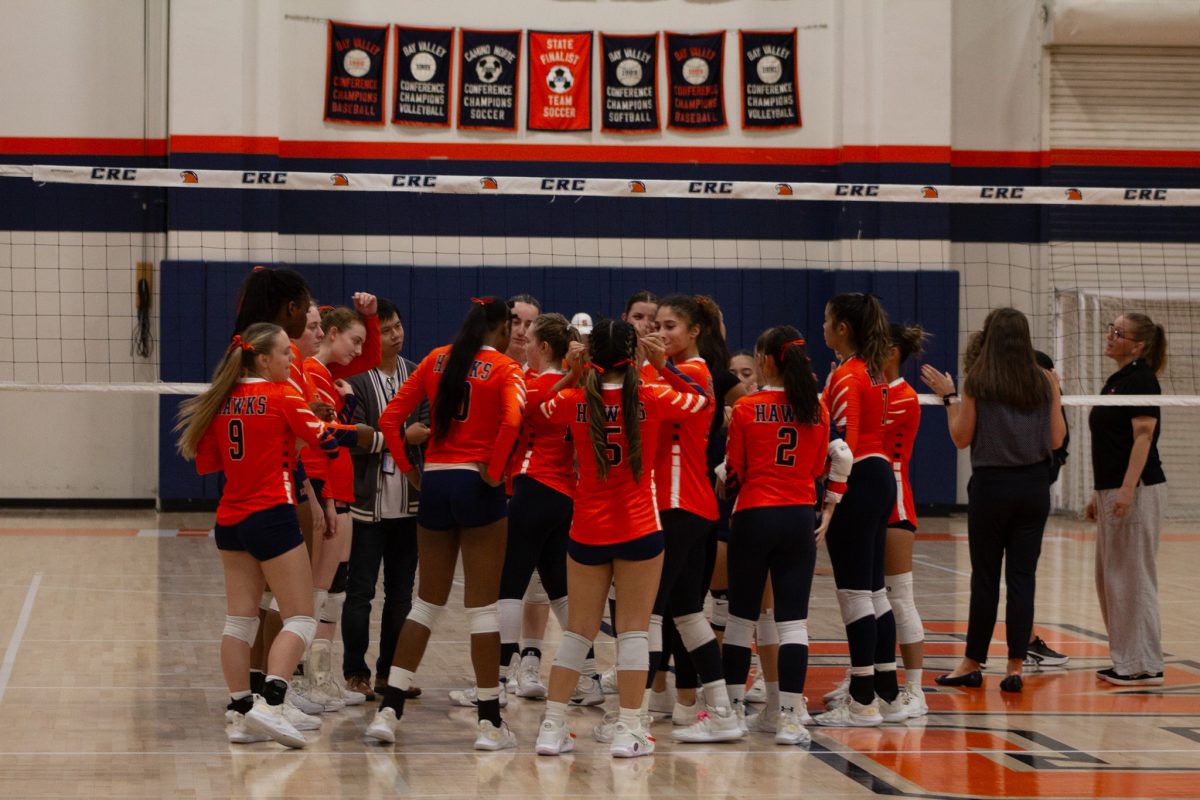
x=237 y=443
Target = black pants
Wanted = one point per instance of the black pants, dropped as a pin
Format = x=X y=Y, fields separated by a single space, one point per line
x=394 y=543
x=687 y=562
x=1007 y=509
x=539 y=521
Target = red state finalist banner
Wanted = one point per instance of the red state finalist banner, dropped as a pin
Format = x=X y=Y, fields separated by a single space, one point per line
x=695 y=71
x=354 y=73
x=560 y=81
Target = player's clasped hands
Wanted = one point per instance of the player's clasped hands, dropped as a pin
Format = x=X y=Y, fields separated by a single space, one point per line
x=653 y=349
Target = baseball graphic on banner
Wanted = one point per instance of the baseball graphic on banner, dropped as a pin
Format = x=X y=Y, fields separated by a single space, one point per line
x=357 y=63
x=695 y=71
x=629 y=72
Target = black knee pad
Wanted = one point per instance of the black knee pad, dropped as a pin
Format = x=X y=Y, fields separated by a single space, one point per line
x=338 y=584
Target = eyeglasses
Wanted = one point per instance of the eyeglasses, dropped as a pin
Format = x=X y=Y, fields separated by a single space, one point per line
x=1116 y=333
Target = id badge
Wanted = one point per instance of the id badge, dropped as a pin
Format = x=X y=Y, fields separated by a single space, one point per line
x=387 y=465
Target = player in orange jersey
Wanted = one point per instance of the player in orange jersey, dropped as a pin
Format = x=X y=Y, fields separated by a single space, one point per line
x=477 y=395
x=539 y=514
x=778 y=445
x=856 y=329
x=616 y=533
x=245 y=425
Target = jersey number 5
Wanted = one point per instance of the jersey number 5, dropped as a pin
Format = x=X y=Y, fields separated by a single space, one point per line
x=237 y=443
x=613 y=449
x=785 y=453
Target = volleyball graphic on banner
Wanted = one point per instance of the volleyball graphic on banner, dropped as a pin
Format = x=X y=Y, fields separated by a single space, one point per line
x=422 y=80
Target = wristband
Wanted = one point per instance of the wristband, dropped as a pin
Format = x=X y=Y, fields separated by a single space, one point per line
x=946 y=398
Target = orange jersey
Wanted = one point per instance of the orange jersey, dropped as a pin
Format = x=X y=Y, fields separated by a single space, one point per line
x=857 y=405
x=544 y=451
x=770 y=458
x=900 y=434
x=302 y=383
x=340 y=470
x=618 y=508
x=252 y=439
x=681 y=465
x=485 y=428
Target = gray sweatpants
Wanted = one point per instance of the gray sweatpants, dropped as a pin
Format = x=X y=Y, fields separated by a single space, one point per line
x=1127 y=578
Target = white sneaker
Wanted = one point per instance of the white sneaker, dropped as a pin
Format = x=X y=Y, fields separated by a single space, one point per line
x=805 y=717
x=662 y=702
x=684 y=715
x=713 y=725
x=605 y=731
x=529 y=679
x=790 y=730
x=765 y=721
x=468 y=699
x=301 y=702
x=492 y=738
x=588 y=691
x=920 y=707
x=335 y=687
x=739 y=710
x=608 y=680
x=852 y=714
x=554 y=739
x=383 y=727
x=631 y=742
x=838 y=694
x=270 y=720
x=757 y=693
x=312 y=695
x=902 y=709
x=300 y=721
x=238 y=732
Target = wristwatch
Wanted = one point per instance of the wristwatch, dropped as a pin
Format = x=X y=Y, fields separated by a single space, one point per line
x=948 y=399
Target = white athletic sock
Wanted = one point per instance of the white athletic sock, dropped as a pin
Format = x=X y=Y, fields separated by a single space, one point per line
x=401 y=679
x=630 y=716
x=791 y=700
x=737 y=692
x=491 y=693
x=716 y=694
x=646 y=701
x=913 y=677
x=589 y=667
x=556 y=712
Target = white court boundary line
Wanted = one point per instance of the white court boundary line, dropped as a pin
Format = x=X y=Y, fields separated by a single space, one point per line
x=14 y=641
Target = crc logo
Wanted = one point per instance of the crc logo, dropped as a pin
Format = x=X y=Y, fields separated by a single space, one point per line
x=415 y=181
x=710 y=187
x=857 y=190
x=929 y=192
x=339 y=179
x=489 y=183
x=1141 y=194
x=114 y=174
x=1002 y=192
x=563 y=184
x=784 y=189
x=637 y=187
x=187 y=176
x=268 y=178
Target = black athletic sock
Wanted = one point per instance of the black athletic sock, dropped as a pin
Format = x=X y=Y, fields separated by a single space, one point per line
x=862 y=688
x=507 y=651
x=530 y=651
x=242 y=704
x=886 y=685
x=257 y=681
x=274 y=691
x=656 y=658
x=793 y=667
x=490 y=710
x=393 y=698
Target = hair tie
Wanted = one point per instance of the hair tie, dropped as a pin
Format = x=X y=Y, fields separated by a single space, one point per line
x=258 y=268
x=238 y=342
x=324 y=309
x=789 y=345
x=624 y=362
x=482 y=302
x=593 y=365
x=701 y=300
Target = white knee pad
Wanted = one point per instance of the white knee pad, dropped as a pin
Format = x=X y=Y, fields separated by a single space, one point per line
x=424 y=613
x=535 y=593
x=303 y=627
x=768 y=632
x=558 y=607
x=510 y=620
x=694 y=631
x=739 y=632
x=572 y=652
x=633 y=651
x=242 y=628
x=267 y=601
x=879 y=603
x=855 y=604
x=331 y=609
x=483 y=619
x=909 y=629
x=655 y=633
x=793 y=631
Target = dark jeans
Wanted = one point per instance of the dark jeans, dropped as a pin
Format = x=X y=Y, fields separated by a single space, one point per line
x=394 y=543
x=1006 y=516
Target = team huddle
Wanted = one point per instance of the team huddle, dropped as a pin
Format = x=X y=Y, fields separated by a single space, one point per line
x=632 y=464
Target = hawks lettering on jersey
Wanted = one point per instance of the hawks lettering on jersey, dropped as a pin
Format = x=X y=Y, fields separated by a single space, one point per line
x=681 y=466
x=617 y=508
x=772 y=459
x=252 y=440
x=486 y=426
x=857 y=406
x=903 y=420
x=544 y=450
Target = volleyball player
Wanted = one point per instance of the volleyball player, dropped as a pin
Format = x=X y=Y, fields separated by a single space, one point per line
x=615 y=532
x=539 y=513
x=477 y=394
x=245 y=425
x=857 y=330
x=778 y=445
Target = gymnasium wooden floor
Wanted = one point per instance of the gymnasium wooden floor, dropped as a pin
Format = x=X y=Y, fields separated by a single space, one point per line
x=110 y=687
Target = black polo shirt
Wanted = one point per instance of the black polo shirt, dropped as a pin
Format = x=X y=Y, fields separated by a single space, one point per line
x=1112 y=428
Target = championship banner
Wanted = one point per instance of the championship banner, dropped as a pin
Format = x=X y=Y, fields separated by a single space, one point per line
x=423 y=57
x=695 y=63
x=487 y=92
x=560 y=81
x=770 y=98
x=354 y=73
x=630 y=77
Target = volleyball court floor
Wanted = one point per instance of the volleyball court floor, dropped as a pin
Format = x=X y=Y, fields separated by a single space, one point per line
x=110 y=687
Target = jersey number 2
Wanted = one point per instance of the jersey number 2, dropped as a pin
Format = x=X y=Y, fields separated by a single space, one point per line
x=785 y=453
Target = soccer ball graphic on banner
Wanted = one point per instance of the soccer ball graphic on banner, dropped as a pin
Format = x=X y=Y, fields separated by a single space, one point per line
x=560 y=80
x=489 y=69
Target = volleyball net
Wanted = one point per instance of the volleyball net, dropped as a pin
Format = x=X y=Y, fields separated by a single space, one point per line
x=125 y=279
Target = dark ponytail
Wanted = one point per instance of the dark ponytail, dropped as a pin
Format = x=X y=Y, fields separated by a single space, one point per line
x=909 y=340
x=1154 y=339
x=264 y=294
x=613 y=345
x=785 y=346
x=869 y=328
x=702 y=310
x=486 y=315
